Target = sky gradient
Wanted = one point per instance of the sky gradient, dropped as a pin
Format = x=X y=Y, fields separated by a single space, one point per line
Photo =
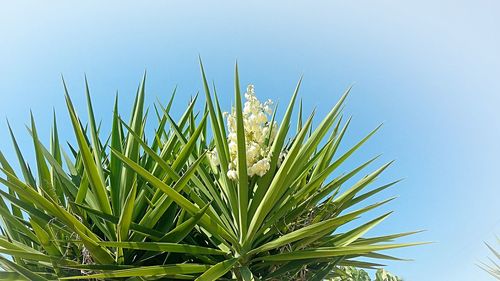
x=429 y=71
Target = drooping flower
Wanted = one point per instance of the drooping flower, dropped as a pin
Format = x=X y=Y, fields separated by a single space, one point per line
x=214 y=157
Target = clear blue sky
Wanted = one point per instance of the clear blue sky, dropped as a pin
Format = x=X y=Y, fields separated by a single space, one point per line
x=430 y=70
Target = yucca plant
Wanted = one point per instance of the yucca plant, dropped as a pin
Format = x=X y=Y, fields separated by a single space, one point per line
x=267 y=204
x=493 y=268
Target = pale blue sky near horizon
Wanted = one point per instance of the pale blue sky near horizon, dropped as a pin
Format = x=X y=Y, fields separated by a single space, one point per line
x=429 y=70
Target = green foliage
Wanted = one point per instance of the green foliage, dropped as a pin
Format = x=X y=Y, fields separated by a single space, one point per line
x=126 y=206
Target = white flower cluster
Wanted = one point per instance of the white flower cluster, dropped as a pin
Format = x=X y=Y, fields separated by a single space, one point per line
x=259 y=135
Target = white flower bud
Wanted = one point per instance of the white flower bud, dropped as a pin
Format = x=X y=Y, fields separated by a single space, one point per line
x=214 y=157
x=232 y=174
